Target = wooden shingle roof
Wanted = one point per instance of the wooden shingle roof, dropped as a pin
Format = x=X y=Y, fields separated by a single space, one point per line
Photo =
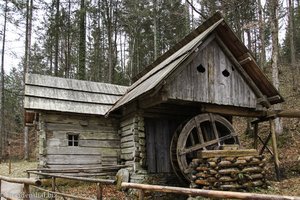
x=70 y=95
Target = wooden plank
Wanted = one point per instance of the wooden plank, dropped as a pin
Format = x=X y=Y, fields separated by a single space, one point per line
x=77 y=118
x=100 y=143
x=128 y=150
x=72 y=166
x=225 y=153
x=73 y=159
x=127 y=132
x=128 y=156
x=77 y=127
x=81 y=151
x=151 y=153
x=129 y=138
x=88 y=134
x=128 y=144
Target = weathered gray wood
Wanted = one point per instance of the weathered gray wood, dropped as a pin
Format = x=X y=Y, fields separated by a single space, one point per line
x=99 y=143
x=88 y=134
x=224 y=153
x=212 y=86
x=81 y=151
x=62 y=166
x=76 y=127
x=74 y=159
x=65 y=118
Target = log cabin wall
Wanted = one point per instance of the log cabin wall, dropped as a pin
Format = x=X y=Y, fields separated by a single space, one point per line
x=69 y=141
x=211 y=78
x=133 y=150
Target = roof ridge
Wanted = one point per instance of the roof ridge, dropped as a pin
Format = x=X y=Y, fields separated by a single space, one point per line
x=207 y=23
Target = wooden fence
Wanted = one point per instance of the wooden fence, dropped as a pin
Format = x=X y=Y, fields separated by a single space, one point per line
x=25 y=181
x=55 y=190
x=203 y=193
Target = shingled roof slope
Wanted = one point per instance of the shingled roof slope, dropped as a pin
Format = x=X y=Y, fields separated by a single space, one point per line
x=70 y=95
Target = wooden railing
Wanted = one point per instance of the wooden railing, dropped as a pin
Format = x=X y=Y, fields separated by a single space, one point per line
x=99 y=182
x=203 y=193
x=26 y=183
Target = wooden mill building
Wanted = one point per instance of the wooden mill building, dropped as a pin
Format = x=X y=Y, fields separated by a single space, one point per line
x=210 y=73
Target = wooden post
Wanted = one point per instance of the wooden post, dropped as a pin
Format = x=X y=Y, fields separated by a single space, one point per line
x=99 y=191
x=255 y=145
x=26 y=192
x=53 y=187
x=9 y=158
x=141 y=194
x=26 y=145
x=275 y=150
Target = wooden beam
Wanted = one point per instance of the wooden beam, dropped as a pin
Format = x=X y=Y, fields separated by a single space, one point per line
x=147 y=102
x=206 y=193
x=225 y=153
x=27 y=181
x=265 y=146
x=92 y=180
x=286 y=113
x=231 y=110
x=265 y=143
x=241 y=70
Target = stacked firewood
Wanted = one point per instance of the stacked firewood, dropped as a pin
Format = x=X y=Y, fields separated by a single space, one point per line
x=232 y=173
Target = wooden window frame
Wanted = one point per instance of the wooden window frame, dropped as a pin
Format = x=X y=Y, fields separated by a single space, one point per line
x=73 y=139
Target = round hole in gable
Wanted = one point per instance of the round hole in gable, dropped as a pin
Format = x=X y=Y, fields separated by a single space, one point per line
x=200 y=68
x=225 y=73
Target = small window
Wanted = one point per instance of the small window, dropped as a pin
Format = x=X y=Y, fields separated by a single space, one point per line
x=73 y=140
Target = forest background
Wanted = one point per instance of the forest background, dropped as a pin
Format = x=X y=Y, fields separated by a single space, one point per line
x=113 y=40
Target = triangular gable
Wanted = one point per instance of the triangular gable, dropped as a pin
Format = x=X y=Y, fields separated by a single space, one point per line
x=211 y=77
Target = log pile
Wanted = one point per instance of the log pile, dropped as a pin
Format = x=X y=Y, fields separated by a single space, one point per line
x=228 y=172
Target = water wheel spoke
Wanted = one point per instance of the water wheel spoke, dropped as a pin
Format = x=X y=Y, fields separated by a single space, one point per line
x=201 y=146
x=199 y=130
x=214 y=127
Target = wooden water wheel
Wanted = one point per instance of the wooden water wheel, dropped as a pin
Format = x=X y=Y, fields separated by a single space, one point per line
x=202 y=132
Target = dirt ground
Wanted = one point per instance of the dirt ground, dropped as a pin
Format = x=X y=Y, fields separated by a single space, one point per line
x=289 y=185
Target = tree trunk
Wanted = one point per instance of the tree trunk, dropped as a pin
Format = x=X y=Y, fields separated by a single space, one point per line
x=155 y=27
x=2 y=128
x=82 y=40
x=56 y=39
x=275 y=76
x=292 y=43
x=262 y=58
x=27 y=59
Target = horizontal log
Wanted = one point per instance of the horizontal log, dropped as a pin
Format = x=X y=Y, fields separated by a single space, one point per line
x=202 y=175
x=206 y=193
x=227 y=179
x=201 y=182
x=226 y=153
x=92 y=180
x=229 y=171
x=28 y=181
x=231 y=110
x=252 y=170
x=225 y=163
x=286 y=113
